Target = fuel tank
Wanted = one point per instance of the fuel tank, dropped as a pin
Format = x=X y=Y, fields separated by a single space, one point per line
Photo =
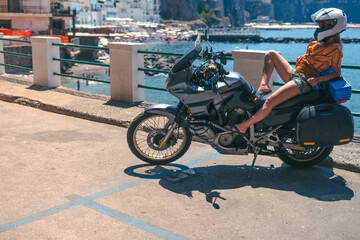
x=199 y=98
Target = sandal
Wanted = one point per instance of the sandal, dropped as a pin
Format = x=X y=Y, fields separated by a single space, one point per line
x=263 y=93
x=232 y=127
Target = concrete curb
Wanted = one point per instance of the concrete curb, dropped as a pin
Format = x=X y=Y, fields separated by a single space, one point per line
x=64 y=111
x=329 y=162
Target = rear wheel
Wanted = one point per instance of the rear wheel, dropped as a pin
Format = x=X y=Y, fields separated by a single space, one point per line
x=303 y=159
x=146 y=133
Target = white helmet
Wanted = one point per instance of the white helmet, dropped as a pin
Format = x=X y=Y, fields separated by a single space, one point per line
x=331 y=21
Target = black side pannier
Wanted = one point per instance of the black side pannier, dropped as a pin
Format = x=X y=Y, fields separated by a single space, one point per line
x=324 y=125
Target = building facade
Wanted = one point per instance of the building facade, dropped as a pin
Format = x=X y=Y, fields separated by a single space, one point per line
x=39 y=16
x=138 y=10
x=31 y=15
x=55 y=16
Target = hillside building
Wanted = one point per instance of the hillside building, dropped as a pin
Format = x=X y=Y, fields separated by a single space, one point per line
x=25 y=15
x=39 y=16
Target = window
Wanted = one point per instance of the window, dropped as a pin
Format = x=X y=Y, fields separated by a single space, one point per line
x=5 y=24
x=15 y=6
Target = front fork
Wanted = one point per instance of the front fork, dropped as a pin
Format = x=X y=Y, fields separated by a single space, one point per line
x=178 y=118
x=168 y=134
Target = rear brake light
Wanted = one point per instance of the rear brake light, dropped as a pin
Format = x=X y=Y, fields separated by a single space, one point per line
x=341 y=102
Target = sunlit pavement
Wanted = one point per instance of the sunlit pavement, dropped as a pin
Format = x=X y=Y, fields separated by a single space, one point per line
x=68 y=178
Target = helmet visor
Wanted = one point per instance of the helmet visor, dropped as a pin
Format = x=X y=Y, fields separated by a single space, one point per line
x=323 y=25
x=313 y=16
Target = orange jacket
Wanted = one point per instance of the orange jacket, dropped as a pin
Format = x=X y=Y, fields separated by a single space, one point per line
x=319 y=57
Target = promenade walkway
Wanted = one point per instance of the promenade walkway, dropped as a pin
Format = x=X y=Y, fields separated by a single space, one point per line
x=68 y=178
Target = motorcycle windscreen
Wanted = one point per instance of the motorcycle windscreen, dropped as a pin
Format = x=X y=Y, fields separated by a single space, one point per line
x=186 y=60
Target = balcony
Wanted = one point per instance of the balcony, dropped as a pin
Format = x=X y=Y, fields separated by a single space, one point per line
x=26 y=10
x=24 y=6
x=58 y=10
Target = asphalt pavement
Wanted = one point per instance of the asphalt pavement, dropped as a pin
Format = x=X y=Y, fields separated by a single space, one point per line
x=66 y=173
x=63 y=177
x=100 y=108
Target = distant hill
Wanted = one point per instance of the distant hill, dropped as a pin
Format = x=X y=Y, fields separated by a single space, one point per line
x=238 y=12
x=185 y=10
x=301 y=10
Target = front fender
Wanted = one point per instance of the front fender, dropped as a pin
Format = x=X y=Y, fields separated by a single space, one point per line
x=166 y=110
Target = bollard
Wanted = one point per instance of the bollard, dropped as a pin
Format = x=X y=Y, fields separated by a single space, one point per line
x=44 y=66
x=2 y=60
x=250 y=63
x=124 y=74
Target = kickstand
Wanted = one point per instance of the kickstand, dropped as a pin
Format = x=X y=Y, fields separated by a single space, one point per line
x=256 y=152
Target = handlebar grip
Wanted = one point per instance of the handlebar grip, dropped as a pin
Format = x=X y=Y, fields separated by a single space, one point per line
x=214 y=85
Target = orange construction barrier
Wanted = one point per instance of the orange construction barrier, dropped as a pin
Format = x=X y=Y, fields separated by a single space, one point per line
x=10 y=32
x=64 y=39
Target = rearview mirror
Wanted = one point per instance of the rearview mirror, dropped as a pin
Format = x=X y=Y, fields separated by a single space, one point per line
x=198 y=43
x=207 y=33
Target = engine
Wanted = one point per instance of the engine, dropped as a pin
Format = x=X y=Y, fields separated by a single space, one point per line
x=226 y=140
x=236 y=116
x=203 y=132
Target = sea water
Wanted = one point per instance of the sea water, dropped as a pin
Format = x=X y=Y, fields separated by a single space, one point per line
x=290 y=51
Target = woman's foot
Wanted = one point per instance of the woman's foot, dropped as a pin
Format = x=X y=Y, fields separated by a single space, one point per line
x=262 y=91
x=264 y=87
x=237 y=128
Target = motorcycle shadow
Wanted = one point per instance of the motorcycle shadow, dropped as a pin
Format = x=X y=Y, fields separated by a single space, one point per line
x=317 y=182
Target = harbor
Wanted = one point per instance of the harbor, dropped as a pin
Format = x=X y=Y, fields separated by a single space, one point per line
x=96 y=79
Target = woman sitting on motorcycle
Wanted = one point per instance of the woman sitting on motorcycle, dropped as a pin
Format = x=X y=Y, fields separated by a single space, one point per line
x=322 y=54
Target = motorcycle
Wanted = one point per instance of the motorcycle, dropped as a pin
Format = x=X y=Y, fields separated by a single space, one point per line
x=301 y=131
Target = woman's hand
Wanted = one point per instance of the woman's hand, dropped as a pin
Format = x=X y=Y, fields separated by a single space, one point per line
x=313 y=81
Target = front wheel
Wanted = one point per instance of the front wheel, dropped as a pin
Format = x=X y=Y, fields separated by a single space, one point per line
x=145 y=136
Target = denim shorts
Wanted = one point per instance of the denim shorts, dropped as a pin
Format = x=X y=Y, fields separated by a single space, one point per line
x=300 y=81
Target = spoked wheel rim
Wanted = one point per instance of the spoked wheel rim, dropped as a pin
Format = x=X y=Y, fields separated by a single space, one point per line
x=149 y=134
x=303 y=156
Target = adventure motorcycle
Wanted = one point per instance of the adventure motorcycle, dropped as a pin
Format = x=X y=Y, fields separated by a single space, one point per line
x=301 y=131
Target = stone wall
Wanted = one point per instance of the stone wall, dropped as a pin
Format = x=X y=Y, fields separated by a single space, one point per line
x=87 y=54
x=17 y=60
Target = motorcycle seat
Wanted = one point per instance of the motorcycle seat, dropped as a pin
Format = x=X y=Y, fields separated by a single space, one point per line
x=300 y=100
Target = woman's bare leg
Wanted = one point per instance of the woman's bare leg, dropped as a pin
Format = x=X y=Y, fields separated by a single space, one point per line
x=289 y=90
x=273 y=60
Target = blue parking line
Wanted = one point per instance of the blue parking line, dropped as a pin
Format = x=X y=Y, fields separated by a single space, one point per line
x=203 y=159
x=133 y=221
x=86 y=200
x=38 y=216
x=139 y=181
x=195 y=154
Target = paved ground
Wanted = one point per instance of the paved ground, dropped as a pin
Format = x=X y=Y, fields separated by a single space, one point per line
x=67 y=178
x=101 y=109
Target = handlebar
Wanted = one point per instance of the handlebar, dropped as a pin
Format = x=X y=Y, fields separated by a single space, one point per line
x=214 y=84
x=226 y=83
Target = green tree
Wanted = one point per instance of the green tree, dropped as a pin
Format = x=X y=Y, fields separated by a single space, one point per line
x=207 y=15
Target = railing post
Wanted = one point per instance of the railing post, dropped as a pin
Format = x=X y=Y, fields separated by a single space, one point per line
x=124 y=74
x=2 y=60
x=249 y=63
x=43 y=52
